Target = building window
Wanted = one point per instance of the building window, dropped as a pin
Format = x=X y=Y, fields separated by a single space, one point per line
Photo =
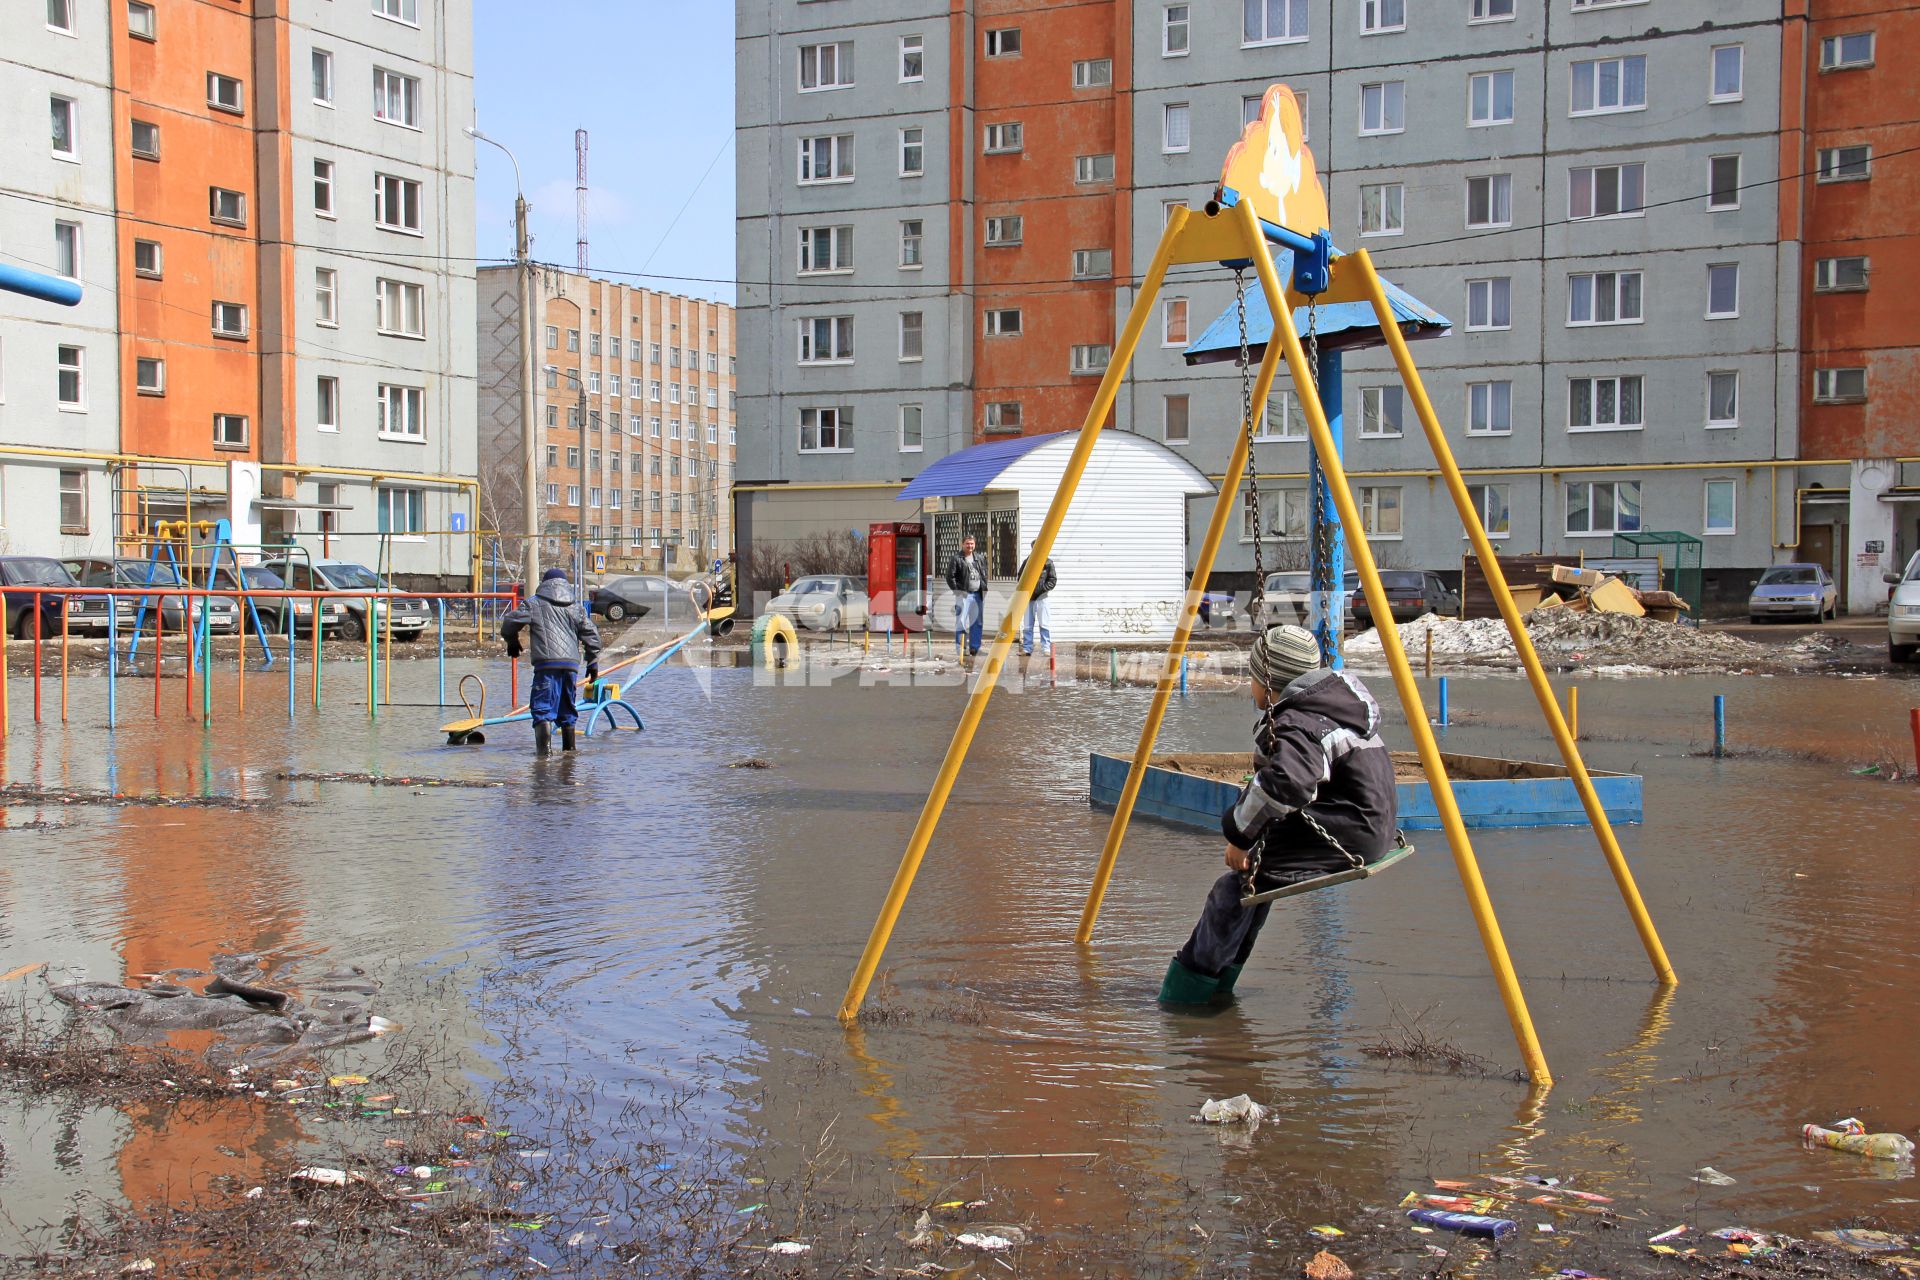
x=60 y=16
x=1490 y=408
x=1003 y=415
x=70 y=385
x=828 y=158
x=1174 y=411
x=1003 y=322
x=1846 y=164
x=323 y=188
x=1383 y=209
x=1094 y=73
x=326 y=297
x=396 y=98
x=1092 y=264
x=149 y=376
x=823 y=340
x=912 y=429
x=402 y=308
x=73 y=502
x=913 y=152
x=913 y=59
x=1490 y=98
x=1380 y=510
x=912 y=335
x=147 y=259
x=396 y=203
x=1381 y=410
x=1383 y=107
x=145 y=137
x=1723 y=290
x=1601 y=4
x=229 y=207
x=1176 y=127
x=1173 y=322
x=140 y=20
x=1005 y=137
x=323 y=77
x=1609 y=84
x=1840 y=275
x=1176 y=37
x=1090 y=358
x=553 y=338
x=1723 y=398
x=1830 y=386
x=1377 y=16
x=593 y=349
x=1003 y=42
x=1723 y=182
x=826 y=430
x=399 y=510
x=1285 y=418
x=1490 y=200
x=225 y=93
x=573 y=344
x=1006 y=230
x=407 y=11
x=230 y=319
x=229 y=430
x=326 y=398
x=825 y=250
x=1093 y=168
x=1490 y=11
x=1491 y=505
x=1273 y=21
x=573 y=457
x=1719 y=503
x=66 y=249
x=1603 y=506
x=1604 y=297
x=1612 y=403
x=1607 y=191
x=1727 y=70
x=1489 y=303
x=1286 y=513
x=1839 y=53
x=826 y=66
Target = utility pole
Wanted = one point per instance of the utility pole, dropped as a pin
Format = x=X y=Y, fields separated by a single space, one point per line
x=529 y=446
x=580 y=527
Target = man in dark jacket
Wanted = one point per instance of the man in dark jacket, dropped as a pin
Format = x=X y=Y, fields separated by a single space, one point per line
x=1321 y=800
x=561 y=629
x=1039 y=609
x=967 y=579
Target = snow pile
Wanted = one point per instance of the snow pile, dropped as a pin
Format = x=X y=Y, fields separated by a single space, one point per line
x=1564 y=636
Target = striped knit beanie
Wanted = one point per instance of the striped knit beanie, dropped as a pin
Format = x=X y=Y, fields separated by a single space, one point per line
x=1282 y=654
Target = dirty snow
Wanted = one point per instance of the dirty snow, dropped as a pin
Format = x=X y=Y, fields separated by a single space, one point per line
x=1609 y=643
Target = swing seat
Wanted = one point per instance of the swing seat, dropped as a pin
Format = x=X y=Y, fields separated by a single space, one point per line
x=1393 y=856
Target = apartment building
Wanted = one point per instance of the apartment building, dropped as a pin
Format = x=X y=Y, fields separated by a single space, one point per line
x=285 y=248
x=635 y=404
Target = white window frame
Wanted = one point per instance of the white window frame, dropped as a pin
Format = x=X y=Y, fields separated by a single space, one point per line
x=1185 y=401
x=1374 y=20
x=158 y=387
x=839 y=53
x=414 y=502
x=77 y=366
x=1003 y=322
x=1712 y=269
x=911 y=323
x=1491 y=80
x=1092 y=264
x=223 y=434
x=219 y=100
x=807 y=261
x=838 y=344
x=1376 y=423
x=1392 y=197
x=914 y=47
x=837 y=419
x=396 y=402
x=1832 y=167
x=1287 y=512
x=142 y=20
x=65 y=28
x=326 y=297
x=1833 y=51
x=1618 y=286
x=150 y=151
x=1739 y=91
x=1006 y=229
x=62 y=106
x=1827 y=388
x=326 y=404
x=157 y=269
x=391 y=189
x=1481 y=494
x=1488 y=393
x=1087 y=170
x=918 y=413
x=1826 y=272
x=219 y=196
x=1723 y=424
x=1389 y=91
x=1168 y=113
x=404 y=12
x=1599 y=108
x=322 y=68
x=323 y=203
x=1613 y=501
x=1089 y=358
x=230 y=310
x=1732 y=526
x=1176 y=18
x=396 y=98
x=1714 y=203
x=1248 y=40
x=1286 y=409
x=839 y=157
x=913 y=143
x=1593 y=384
x=1004 y=138
x=1499 y=194
x=1093 y=73
x=67 y=244
x=1001 y=42
x=1176 y=317
x=406 y=297
x=1002 y=415
x=1480 y=11
x=1491 y=291
x=913 y=250
x=1372 y=500
x=1593 y=172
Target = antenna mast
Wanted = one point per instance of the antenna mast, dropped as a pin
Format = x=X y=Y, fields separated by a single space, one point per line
x=580 y=196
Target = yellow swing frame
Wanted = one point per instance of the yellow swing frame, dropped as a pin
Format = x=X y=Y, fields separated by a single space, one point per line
x=1229 y=234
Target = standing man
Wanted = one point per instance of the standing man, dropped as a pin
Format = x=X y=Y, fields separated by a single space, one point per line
x=562 y=629
x=1039 y=609
x=967 y=579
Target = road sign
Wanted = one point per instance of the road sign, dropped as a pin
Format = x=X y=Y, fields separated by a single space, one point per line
x=599 y=562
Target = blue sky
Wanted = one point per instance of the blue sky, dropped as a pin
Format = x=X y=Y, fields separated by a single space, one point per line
x=651 y=81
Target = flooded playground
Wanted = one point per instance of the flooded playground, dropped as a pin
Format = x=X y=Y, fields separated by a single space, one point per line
x=632 y=958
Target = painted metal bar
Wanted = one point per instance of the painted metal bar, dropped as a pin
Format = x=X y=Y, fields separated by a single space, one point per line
x=293 y=668
x=113 y=661
x=373 y=663
x=1522 y=643
x=1183 y=675
x=1466 y=865
x=240 y=665
x=442 y=606
x=386 y=660
x=976 y=709
x=66 y=636
x=1719 y=725
x=37 y=599
x=1573 y=712
x=159 y=638
x=1328 y=573
x=319 y=635
x=1444 y=717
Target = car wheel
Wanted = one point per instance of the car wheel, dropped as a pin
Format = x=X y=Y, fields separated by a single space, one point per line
x=615 y=611
x=22 y=626
x=1902 y=652
x=351 y=628
x=832 y=621
x=1754 y=619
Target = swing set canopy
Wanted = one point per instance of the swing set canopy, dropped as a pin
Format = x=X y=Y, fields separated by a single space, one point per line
x=1344 y=326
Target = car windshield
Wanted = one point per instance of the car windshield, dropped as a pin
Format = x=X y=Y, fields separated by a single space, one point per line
x=1289 y=582
x=38 y=573
x=1401 y=581
x=1913 y=569
x=813 y=586
x=1797 y=575
x=147 y=573
x=351 y=577
x=258 y=576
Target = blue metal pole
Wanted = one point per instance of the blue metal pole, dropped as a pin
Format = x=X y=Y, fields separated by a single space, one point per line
x=1329 y=571
x=1443 y=702
x=442 y=606
x=319 y=608
x=113 y=659
x=1719 y=725
x=1183 y=675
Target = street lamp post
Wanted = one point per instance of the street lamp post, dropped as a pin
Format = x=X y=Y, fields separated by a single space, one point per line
x=528 y=445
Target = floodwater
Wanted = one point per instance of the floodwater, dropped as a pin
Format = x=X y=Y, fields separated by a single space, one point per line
x=688 y=930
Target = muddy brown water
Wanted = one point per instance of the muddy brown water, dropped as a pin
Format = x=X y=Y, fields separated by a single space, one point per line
x=690 y=929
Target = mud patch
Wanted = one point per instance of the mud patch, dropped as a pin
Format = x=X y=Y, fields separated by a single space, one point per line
x=386 y=780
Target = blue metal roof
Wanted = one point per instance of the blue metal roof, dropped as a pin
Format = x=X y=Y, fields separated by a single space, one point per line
x=1344 y=326
x=971 y=470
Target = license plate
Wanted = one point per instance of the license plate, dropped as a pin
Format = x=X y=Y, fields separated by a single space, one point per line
x=410 y=621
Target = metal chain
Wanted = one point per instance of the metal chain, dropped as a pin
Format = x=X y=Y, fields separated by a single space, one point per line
x=1257 y=601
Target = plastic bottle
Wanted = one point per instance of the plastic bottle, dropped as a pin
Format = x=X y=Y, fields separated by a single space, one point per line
x=1850 y=1135
x=1467 y=1224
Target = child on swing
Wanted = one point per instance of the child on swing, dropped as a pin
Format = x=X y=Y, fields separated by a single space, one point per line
x=1321 y=800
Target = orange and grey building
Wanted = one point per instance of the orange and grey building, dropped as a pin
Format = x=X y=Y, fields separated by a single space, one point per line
x=1645 y=219
x=269 y=207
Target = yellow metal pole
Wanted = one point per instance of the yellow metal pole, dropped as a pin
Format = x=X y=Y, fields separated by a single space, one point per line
x=1573 y=712
x=1003 y=640
x=1183 y=633
x=1522 y=643
x=1464 y=861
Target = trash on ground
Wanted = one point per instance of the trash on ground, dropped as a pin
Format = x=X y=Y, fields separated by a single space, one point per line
x=1239 y=1109
x=325 y=1177
x=1326 y=1266
x=1671 y=1233
x=1711 y=1177
x=1467 y=1224
x=1325 y=1232
x=993 y=1241
x=1851 y=1136
x=1861 y=1240
x=789 y=1248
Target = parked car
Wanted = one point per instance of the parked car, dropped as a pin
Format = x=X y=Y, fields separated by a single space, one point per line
x=169 y=611
x=405 y=616
x=718 y=583
x=38 y=571
x=1903 y=613
x=1793 y=591
x=1289 y=598
x=272 y=610
x=1410 y=593
x=824 y=602
x=636 y=596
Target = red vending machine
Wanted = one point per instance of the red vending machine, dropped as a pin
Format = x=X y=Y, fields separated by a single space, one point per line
x=897 y=571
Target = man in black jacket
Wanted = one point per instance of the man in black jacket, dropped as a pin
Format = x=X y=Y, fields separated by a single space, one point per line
x=1039 y=609
x=1321 y=800
x=967 y=579
x=560 y=630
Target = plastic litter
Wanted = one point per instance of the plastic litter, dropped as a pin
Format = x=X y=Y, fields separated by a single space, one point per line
x=1671 y=1233
x=1711 y=1177
x=1467 y=1224
x=1851 y=1136
x=137 y=1268
x=1326 y=1266
x=325 y=1177
x=341 y=1082
x=1326 y=1233
x=789 y=1248
x=1239 y=1109
x=993 y=1241
x=1861 y=1240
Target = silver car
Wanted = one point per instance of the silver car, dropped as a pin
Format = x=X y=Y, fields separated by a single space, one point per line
x=824 y=602
x=1289 y=598
x=1903 y=613
x=1801 y=591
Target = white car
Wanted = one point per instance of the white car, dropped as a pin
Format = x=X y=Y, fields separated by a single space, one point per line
x=1903 y=613
x=824 y=602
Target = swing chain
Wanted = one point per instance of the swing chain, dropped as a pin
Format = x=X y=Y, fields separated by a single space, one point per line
x=1257 y=601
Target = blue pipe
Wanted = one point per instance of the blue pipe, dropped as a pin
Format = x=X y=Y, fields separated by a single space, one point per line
x=1329 y=578
x=441 y=605
x=113 y=659
x=1183 y=675
x=1719 y=725
x=319 y=606
x=1443 y=702
x=34 y=285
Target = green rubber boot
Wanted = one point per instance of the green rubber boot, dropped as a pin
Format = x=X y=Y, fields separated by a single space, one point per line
x=1183 y=986
x=1223 y=993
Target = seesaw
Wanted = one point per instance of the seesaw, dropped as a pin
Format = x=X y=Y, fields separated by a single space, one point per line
x=602 y=697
